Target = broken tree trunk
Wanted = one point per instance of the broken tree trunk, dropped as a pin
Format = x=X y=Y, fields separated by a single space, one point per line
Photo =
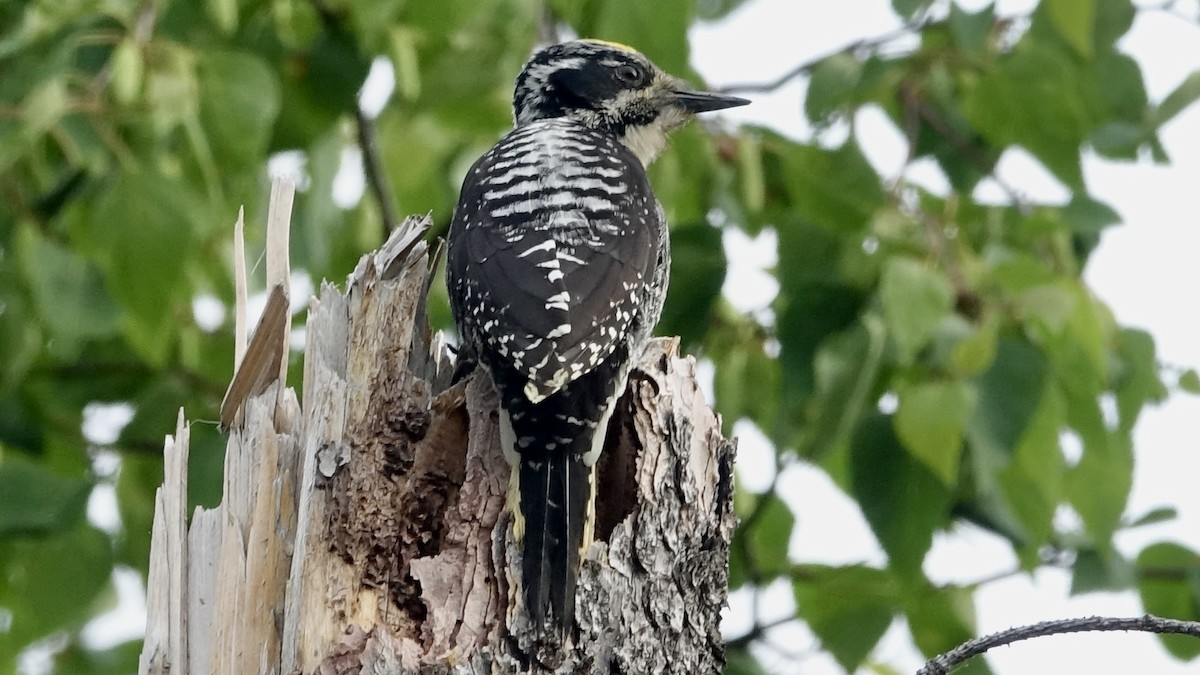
x=366 y=530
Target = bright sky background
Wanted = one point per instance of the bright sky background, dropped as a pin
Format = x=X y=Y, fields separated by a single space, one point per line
x=1143 y=270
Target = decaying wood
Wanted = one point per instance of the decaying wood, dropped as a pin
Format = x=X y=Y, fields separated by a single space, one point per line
x=366 y=531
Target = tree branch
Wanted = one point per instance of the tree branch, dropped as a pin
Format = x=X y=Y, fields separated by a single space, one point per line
x=373 y=168
x=1169 y=8
x=916 y=24
x=944 y=663
x=806 y=67
x=758 y=631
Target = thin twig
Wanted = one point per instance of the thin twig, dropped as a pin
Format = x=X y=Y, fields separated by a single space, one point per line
x=758 y=631
x=915 y=25
x=373 y=168
x=973 y=154
x=806 y=67
x=753 y=573
x=1168 y=7
x=944 y=663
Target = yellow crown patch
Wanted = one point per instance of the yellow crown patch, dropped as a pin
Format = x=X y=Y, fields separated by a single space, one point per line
x=614 y=45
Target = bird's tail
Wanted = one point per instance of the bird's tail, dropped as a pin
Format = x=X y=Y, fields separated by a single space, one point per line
x=556 y=495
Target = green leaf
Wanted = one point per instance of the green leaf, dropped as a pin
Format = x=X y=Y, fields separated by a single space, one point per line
x=847 y=608
x=1113 y=19
x=239 y=102
x=814 y=302
x=1074 y=20
x=1098 y=486
x=711 y=10
x=768 y=536
x=1169 y=583
x=1046 y=309
x=77 y=659
x=406 y=60
x=976 y=351
x=42 y=109
x=752 y=183
x=320 y=226
x=139 y=477
x=972 y=31
x=140 y=233
x=67 y=290
x=837 y=189
x=907 y=9
x=170 y=92
x=128 y=71
x=206 y=463
x=1189 y=381
x=319 y=83
x=832 y=82
x=1114 y=84
x=963 y=153
x=48 y=584
x=941 y=619
x=846 y=368
x=685 y=178
x=1031 y=99
x=1100 y=571
x=697 y=273
x=1137 y=378
x=36 y=500
x=1118 y=139
x=1178 y=100
x=421 y=141
x=1032 y=483
x=1011 y=392
x=224 y=14
x=915 y=300
x=746 y=383
x=658 y=29
x=738 y=662
x=1089 y=217
x=1154 y=516
x=902 y=500
x=931 y=422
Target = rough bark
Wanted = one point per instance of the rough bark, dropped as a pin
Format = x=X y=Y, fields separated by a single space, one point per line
x=366 y=531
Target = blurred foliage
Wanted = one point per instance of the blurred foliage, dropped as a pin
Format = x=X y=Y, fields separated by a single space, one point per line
x=928 y=350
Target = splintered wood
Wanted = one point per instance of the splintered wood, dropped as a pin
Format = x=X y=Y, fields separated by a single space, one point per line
x=366 y=530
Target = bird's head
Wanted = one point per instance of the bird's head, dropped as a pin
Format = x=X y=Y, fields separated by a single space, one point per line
x=608 y=86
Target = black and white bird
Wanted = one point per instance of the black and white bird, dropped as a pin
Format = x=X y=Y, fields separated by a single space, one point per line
x=557 y=267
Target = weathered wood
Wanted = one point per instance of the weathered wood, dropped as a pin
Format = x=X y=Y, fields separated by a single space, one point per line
x=259 y=365
x=166 y=643
x=369 y=533
x=278 y=254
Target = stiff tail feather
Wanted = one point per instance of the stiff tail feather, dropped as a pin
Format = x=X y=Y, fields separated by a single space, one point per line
x=555 y=491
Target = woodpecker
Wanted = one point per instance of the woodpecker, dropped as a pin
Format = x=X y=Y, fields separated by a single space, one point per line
x=557 y=265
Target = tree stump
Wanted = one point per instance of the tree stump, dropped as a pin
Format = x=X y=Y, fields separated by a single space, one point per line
x=366 y=530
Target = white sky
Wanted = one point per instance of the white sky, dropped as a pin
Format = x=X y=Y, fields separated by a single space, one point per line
x=1142 y=270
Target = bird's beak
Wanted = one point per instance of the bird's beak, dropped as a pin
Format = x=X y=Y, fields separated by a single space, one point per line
x=703 y=101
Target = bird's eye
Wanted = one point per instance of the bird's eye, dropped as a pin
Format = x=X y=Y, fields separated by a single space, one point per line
x=628 y=74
